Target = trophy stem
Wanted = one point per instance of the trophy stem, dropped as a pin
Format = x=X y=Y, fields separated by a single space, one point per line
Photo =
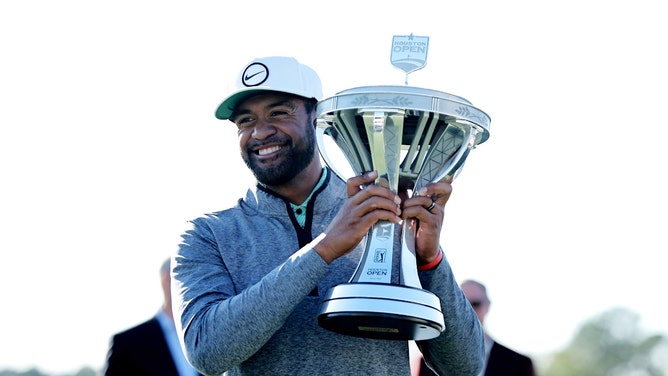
x=384 y=130
x=378 y=258
x=409 y=273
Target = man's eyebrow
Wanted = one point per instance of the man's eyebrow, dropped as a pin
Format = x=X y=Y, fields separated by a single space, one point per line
x=289 y=102
x=236 y=113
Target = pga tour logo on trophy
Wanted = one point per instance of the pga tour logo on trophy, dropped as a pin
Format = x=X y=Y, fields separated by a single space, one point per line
x=412 y=136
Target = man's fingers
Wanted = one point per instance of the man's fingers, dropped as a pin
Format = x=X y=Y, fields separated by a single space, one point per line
x=356 y=183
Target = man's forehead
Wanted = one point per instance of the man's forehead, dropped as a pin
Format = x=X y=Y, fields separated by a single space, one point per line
x=270 y=97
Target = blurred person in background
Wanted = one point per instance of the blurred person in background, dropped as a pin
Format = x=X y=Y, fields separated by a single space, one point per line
x=499 y=359
x=151 y=348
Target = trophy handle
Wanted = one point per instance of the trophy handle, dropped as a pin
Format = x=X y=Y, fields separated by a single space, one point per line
x=450 y=169
x=436 y=166
x=356 y=161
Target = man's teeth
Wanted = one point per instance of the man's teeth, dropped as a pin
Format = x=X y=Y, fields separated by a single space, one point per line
x=268 y=150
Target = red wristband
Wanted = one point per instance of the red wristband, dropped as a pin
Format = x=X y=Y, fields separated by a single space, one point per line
x=434 y=263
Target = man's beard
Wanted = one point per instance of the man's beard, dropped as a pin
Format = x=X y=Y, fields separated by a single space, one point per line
x=299 y=157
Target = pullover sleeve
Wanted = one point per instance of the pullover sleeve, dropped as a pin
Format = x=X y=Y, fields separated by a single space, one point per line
x=460 y=349
x=221 y=327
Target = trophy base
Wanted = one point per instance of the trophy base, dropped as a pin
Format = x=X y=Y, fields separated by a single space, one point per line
x=382 y=311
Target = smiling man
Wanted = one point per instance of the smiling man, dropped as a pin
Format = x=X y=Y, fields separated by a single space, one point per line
x=249 y=280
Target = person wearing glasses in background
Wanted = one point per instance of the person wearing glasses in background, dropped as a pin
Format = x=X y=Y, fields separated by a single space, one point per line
x=499 y=360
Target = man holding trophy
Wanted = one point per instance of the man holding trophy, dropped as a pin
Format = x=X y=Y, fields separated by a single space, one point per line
x=255 y=285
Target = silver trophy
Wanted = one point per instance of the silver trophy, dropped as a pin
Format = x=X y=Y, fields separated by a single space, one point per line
x=411 y=136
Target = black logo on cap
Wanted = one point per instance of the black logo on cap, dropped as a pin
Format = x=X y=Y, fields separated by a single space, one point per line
x=255 y=74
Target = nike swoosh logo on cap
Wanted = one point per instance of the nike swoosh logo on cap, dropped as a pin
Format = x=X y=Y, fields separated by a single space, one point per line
x=247 y=77
x=256 y=78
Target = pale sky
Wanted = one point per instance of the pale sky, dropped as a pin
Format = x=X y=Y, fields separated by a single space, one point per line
x=108 y=145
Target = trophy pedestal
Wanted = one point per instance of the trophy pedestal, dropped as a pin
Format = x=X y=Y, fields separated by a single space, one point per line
x=382 y=311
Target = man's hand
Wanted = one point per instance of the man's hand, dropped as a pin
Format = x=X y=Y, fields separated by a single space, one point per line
x=367 y=204
x=427 y=207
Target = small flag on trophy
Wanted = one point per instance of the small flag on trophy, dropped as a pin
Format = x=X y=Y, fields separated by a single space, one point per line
x=409 y=53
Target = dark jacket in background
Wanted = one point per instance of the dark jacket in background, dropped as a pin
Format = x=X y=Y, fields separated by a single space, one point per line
x=506 y=362
x=140 y=350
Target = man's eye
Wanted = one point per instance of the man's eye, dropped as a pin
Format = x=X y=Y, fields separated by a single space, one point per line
x=242 y=121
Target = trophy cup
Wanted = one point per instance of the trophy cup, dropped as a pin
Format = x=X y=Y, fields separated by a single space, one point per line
x=411 y=136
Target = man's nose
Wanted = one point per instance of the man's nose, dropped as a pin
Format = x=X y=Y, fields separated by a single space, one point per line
x=263 y=129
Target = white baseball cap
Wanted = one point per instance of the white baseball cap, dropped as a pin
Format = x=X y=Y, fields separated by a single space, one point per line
x=275 y=73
